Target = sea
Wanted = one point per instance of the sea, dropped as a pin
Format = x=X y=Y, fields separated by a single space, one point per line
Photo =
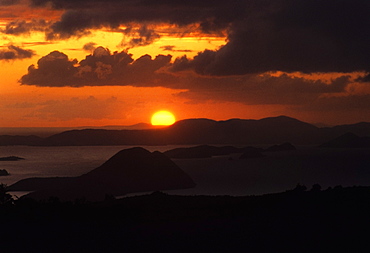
x=221 y=175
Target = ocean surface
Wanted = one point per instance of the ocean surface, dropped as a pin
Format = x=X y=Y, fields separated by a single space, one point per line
x=224 y=175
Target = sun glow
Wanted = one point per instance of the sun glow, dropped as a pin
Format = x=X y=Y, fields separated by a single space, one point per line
x=163 y=118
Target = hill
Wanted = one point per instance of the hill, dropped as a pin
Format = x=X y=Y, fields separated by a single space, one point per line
x=348 y=140
x=130 y=170
x=200 y=132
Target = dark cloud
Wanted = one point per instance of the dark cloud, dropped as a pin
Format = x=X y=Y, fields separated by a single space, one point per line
x=119 y=68
x=141 y=37
x=80 y=16
x=364 y=79
x=262 y=89
x=15 y=53
x=19 y=27
x=173 y=49
x=306 y=36
x=89 y=46
x=263 y=35
x=100 y=68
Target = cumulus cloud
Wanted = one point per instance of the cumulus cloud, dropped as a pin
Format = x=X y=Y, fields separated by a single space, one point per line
x=15 y=53
x=98 y=69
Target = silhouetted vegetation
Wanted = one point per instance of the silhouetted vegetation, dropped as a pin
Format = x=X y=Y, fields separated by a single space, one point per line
x=5 y=197
x=298 y=220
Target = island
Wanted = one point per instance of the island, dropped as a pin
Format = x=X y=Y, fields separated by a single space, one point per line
x=11 y=158
x=4 y=173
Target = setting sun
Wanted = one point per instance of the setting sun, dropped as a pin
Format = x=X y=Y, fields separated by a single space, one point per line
x=163 y=118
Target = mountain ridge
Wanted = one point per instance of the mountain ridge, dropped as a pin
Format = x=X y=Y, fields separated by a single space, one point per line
x=199 y=131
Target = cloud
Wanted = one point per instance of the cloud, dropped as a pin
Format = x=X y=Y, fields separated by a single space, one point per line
x=262 y=89
x=268 y=35
x=99 y=69
x=15 y=53
x=90 y=47
x=19 y=27
x=103 y=68
x=81 y=16
x=289 y=36
x=139 y=37
x=364 y=79
x=172 y=48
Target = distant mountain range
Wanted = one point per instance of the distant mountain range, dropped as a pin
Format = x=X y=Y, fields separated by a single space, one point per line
x=273 y=130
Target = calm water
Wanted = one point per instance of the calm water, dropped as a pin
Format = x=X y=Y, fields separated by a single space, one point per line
x=214 y=176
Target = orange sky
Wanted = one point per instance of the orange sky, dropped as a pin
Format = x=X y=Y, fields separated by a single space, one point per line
x=105 y=92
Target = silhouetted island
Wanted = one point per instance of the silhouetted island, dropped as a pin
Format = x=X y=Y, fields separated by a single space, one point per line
x=281 y=147
x=130 y=170
x=206 y=151
x=4 y=173
x=200 y=132
x=11 y=158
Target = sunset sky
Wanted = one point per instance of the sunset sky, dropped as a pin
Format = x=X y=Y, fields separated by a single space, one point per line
x=116 y=62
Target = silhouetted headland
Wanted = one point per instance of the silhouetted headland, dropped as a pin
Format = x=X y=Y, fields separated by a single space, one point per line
x=130 y=170
x=200 y=132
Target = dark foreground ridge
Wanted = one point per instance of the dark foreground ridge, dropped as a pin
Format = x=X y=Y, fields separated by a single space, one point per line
x=130 y=170
x=199 y=132
x=299 y=220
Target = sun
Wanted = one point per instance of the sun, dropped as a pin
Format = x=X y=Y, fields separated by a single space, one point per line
x=163 y=118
